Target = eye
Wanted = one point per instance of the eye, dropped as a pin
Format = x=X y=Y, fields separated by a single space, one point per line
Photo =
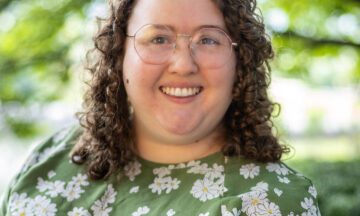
x=208 y=41
x=160 y=40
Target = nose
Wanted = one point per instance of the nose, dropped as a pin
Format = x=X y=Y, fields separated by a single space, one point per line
x=182 y=61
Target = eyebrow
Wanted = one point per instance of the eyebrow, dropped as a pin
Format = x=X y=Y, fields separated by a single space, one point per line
x=201 y=26
x=210 y=26
x=160 y=26
x=197 y=28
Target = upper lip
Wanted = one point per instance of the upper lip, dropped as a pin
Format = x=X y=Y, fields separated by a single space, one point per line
x=181 y=85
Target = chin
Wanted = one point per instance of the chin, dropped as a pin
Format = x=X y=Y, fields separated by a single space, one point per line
x=180 y=132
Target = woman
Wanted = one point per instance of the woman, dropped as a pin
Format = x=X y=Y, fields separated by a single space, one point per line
x=177 y=122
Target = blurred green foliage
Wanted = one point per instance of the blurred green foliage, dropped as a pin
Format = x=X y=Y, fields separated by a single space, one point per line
x=337 y=184
x=37 y=38
x=23 y=128
x=315 y=40
x=34 y=63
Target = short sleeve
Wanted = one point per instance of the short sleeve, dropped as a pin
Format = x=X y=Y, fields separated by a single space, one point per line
x=58 y=142
x=275 y=190
x=260 y=201
x=296 y=194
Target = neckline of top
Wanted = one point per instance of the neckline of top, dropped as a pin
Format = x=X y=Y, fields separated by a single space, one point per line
x=209 y=159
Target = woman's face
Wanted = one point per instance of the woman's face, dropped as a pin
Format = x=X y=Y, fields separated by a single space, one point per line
x=159 y=115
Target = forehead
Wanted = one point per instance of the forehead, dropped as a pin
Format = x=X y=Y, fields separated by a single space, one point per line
x=182 y=15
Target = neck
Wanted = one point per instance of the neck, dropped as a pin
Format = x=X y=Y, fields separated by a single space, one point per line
x=165 y=152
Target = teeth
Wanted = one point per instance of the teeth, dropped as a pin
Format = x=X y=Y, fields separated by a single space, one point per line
x=180 y=92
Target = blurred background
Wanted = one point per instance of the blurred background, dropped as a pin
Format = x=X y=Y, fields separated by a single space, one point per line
x=315 y=78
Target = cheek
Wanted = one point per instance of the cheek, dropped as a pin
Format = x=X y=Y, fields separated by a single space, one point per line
x=129 y=73
x=224 y=78
x=129 y=58
x=133 y=69
x=230 y=76
x=139 y=77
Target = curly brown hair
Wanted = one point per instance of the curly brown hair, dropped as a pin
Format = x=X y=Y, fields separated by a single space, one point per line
x=107 y=142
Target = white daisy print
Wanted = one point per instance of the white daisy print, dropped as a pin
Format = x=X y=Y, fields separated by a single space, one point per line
x=193 y=163
x=171 y=212
x=18 y=201
x=221 y=187
x=162 y=171
x=134 y=189
x=308 y=203
x=204 y=214
x=100 y=209
x=132 y=169
x=42 y=185
x=251 y=200
x=215 y=172
x=80 y=180
x=158 y=185
x=23 y=212
x=55 y=188
x=199 y=169
x=249 y=170
x=284 y=180
x=225 y=212
x=205 y=190
x=261 y=186
x=269 y=209
x=72 y=192
x=278 y=192
x=109 y=195
x=51 y=174
x=277 y=168
x=180 y=166
x=312 y=191
x=171 y=184
x=141 y=211
x=79 y=212
x=42 y=206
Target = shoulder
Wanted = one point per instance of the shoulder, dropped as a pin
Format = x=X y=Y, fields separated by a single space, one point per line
x=47 y=157
x=57 y=145
x=256 y=188
x=48 y=172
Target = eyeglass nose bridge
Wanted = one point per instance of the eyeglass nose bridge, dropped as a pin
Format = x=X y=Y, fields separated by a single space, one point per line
x=181 y=35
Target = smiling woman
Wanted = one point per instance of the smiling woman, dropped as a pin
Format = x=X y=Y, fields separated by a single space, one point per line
x=169 y=127
x=176 y=122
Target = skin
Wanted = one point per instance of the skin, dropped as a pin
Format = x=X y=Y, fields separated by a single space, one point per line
x=169 y=129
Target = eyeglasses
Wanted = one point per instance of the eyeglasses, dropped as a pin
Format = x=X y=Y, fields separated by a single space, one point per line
x=210 y=47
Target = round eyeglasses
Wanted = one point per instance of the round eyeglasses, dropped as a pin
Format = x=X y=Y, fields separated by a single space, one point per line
x=210 y=47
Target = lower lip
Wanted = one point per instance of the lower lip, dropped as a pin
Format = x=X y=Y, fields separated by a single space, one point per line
x=181 y=100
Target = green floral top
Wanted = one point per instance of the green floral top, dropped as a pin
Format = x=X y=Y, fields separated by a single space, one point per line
x=50 y=184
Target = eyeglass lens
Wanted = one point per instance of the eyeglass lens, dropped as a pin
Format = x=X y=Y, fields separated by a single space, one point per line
x=210 y=47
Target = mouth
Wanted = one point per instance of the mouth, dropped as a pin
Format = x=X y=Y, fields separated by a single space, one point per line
x=180 y=92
